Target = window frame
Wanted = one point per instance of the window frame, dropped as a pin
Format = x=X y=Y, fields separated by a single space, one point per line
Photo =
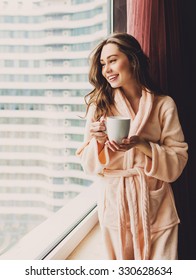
x=60 y=234
x=56 y=238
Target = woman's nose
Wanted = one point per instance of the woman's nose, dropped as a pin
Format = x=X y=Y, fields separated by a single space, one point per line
x=107 y=68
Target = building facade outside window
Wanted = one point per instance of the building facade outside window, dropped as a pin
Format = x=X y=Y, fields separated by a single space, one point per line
x=44 y=48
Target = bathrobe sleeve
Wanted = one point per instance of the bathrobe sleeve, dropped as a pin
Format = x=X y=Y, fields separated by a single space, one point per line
x=92 y=162
x=169 y=157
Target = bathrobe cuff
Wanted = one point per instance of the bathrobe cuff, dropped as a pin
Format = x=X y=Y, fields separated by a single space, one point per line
x=92 y=162
x=165 y=164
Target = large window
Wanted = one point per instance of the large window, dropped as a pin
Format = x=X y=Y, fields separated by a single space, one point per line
x=44 y=77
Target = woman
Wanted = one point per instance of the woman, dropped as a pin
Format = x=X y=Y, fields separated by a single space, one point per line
x=136 y=207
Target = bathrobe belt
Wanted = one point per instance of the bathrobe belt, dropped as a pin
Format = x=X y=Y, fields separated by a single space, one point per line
x=130 y=193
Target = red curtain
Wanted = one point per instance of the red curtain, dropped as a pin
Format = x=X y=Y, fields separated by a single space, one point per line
x=148 y=22
x=139 y=21
x=165 y=30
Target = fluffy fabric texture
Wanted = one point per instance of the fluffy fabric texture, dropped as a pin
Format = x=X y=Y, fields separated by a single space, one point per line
x=135 y=190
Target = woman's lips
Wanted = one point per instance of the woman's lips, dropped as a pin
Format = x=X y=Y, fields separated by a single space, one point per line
x=112 y=78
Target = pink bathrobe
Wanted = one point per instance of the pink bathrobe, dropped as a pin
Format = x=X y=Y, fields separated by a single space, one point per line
x=135 y=191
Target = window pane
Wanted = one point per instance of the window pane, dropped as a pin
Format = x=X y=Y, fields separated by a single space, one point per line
x=44 y=77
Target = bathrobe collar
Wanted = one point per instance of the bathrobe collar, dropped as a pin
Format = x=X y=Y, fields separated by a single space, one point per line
x=138 y=121
x=123 y=107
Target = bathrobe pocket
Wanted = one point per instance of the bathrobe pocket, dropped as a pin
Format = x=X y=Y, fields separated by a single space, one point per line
x=162 y=210
x=108 y=202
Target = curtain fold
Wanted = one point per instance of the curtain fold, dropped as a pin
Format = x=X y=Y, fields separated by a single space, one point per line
x=139 y=19
x=165 y=30
x=146 y=22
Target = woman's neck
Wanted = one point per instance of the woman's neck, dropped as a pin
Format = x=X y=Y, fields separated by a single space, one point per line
x=133 y=94
x=132 y=90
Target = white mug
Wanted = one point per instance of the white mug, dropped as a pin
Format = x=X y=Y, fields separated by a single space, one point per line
x=117 y=128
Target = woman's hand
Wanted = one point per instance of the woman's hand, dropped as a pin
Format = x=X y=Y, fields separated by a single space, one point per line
x=97 y=130
x=129 y=143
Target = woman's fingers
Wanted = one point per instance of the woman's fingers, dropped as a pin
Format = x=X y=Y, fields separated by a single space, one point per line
x=97 y=126
x=127 y=144
x=112 y=145
x=98 y=134
x=97 y=130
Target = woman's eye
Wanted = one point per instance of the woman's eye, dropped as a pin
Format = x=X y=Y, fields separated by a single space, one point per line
x=111 y=61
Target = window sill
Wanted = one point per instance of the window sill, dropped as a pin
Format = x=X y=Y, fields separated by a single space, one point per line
x=60 y=234
x=90 y=248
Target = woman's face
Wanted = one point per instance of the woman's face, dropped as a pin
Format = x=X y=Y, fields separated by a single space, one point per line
x=116 y=67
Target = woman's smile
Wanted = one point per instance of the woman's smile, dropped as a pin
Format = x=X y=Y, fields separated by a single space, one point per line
x=112 y=78
x=115 y=66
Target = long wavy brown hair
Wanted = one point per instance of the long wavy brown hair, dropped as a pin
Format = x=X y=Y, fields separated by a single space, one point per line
x=102 y=95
